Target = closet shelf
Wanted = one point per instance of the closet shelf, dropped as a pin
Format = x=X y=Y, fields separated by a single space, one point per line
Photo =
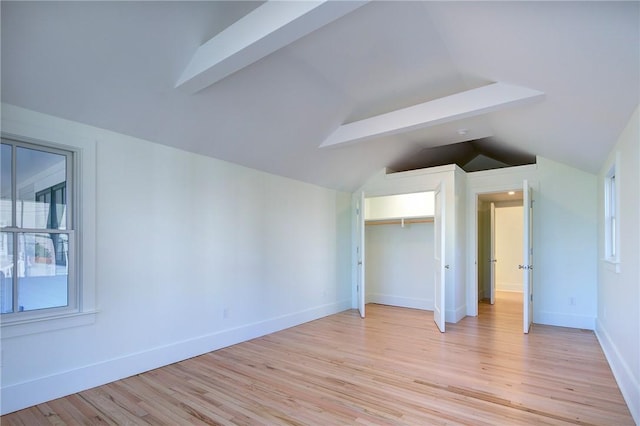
x=398 y=221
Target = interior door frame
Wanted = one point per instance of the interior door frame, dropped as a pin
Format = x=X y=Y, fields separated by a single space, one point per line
x=527 y=257
x=360 y=254
x=359 y=238
x=492 y=253
x=476 y=229
x=473 y=195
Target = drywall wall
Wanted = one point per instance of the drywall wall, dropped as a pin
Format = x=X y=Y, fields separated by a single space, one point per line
x=565 y=246
x=508 y=250
x=399 y=265
x=618 y=325
x=418 y=204
x=192 y=254
x=564 y=239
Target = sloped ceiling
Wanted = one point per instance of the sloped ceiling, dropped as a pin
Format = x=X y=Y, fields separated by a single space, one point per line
x=115 y=65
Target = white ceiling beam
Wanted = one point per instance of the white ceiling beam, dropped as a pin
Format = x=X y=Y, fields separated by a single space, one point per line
x=482 y=100
x=269 y=27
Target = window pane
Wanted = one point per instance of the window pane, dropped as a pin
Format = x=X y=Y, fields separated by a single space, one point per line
x=39 y=175
x=44 y=281
x=613 y=236
x=5 y=186
x=6 y=272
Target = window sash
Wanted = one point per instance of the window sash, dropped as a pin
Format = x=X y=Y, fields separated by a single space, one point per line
x=611 y=222
x=66 y=191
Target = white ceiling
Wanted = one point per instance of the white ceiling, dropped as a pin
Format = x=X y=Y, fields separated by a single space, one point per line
x=115 y=65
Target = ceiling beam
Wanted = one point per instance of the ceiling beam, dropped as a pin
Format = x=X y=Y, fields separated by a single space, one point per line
x=482 y=100
x=269 y=27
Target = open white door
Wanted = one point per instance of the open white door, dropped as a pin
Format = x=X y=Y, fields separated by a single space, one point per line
x=439 y=256
x=492 y=254
x=360 y=289
x=527 y=260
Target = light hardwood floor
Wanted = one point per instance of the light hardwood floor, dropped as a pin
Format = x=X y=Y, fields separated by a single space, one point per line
x=394 y=367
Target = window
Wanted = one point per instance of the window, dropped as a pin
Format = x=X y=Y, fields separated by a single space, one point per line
x=611 y=216
x=38 y=232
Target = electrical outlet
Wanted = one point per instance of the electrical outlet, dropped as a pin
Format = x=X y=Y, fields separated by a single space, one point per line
x=225 y=313
x=572 y=301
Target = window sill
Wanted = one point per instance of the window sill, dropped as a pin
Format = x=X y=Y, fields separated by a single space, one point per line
x=44 y=324
x=611 y=265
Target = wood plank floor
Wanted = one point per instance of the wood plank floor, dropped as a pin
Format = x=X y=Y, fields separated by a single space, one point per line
x=393 y=368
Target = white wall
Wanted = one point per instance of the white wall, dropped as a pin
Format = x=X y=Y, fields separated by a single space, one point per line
x=418 y=204
x=618 y=325
x=192 y=254
x=565 y=247
x=508 y=233
x=564 y=239
x=399 y=265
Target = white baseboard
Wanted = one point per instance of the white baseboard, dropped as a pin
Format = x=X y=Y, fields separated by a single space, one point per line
x=629 y=385
x=455 y=315
x=564 y=320
x=512 y=287
x=22 y=395
x=403 y=302
x=452 y=316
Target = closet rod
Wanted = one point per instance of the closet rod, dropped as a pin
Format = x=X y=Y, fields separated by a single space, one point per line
x=398 y=221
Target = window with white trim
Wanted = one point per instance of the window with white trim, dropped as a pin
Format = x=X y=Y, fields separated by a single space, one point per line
x=38 y=232
x=611 y=216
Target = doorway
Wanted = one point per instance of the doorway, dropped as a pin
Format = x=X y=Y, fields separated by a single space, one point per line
x=500 y=256
x=398 y=247
x=399 y=237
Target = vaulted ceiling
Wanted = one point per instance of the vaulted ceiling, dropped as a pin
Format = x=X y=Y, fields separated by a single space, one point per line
x=116 y=65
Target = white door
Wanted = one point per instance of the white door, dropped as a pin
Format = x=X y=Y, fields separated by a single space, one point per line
x=492 y=254
x=527 y=258
x=360 y=290
x=439 y=256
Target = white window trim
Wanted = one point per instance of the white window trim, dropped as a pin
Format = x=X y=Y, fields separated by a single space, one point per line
x=612 y=212
x=84 y=157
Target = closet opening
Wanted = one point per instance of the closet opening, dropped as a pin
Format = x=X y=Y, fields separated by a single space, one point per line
x=399 y=250
x=500 y=255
